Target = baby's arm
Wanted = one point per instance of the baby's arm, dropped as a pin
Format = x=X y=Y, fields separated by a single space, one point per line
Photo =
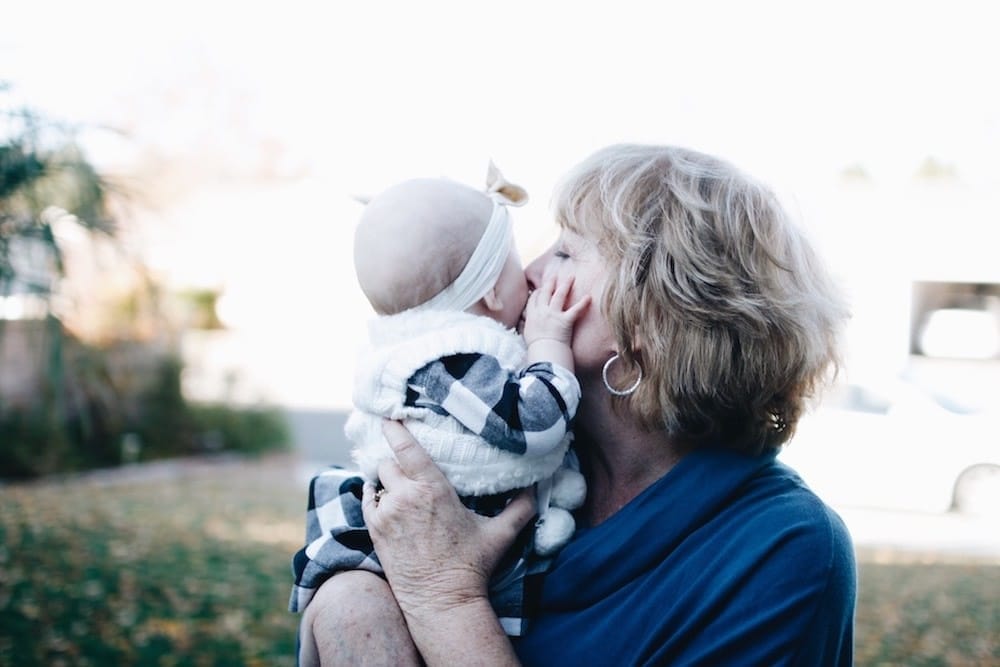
x=526 y=411
x=548 y=323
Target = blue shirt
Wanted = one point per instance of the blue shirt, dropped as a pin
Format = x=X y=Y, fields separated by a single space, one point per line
x=726 y=560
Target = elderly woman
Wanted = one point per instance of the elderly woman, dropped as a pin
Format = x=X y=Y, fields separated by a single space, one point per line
x=713 y=323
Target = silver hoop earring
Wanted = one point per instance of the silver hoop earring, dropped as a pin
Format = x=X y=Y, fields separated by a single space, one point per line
x=619 y=392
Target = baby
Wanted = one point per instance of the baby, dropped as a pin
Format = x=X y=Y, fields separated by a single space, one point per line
x=436 y=260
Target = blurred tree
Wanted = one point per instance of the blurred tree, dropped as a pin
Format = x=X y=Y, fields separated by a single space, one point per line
x=44 y=180
x=67 y=403
x=200 y=309
x=46 y=183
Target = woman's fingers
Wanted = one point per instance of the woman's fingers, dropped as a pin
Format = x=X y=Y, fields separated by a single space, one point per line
x=520 y=510
x=368 y=503
x=389 y=473
x=413 y=461
x=501 y=531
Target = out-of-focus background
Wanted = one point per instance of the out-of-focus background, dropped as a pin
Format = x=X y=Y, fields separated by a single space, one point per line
x=178 y=311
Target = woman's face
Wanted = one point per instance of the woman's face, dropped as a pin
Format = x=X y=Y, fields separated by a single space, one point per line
x=577 y=256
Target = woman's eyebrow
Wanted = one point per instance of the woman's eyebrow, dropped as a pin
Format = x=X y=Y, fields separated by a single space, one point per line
x=568 y=238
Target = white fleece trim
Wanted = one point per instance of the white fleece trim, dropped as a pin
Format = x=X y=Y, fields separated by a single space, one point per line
x=403 y=343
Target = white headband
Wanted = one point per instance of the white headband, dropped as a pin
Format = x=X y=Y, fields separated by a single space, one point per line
x=483 y=269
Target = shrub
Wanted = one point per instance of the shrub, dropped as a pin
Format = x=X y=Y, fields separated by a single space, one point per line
x=115 y=406
x=32 y=443
x=250 y=430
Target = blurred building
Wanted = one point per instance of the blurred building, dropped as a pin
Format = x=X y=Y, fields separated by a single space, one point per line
x=920 y=263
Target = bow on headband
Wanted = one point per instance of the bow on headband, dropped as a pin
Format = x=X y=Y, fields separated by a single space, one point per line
x=500 y=189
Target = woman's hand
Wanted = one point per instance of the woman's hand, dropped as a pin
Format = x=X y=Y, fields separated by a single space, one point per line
x=437 y=555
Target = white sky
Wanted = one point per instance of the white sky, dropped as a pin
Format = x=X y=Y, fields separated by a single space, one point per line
x=368 y=88
x=367 y=93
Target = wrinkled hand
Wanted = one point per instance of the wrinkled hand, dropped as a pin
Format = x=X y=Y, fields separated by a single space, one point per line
x=546 y=314
x=437 y=554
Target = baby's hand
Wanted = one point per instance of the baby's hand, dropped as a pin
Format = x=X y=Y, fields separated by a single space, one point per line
x=546 y=315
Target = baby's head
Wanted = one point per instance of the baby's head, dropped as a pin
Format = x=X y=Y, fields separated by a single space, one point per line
x=415 y=238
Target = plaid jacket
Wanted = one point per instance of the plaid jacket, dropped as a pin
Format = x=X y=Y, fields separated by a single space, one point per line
x=337 y=540
x=518 y=411
x=433 y=369
x=458 y=382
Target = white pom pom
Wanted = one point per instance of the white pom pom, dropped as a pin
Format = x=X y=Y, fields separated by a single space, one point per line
x=553 y=531
x=569 y=489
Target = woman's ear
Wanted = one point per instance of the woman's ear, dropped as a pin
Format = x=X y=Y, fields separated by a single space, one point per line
x=635 y=349
x=636 y=344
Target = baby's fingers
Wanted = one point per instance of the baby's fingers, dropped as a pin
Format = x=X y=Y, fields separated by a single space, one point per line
x=561 y=291
x=574 y=311
x=547 y=288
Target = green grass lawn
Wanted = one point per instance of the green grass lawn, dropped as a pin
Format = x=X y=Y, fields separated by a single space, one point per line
x=193 y=569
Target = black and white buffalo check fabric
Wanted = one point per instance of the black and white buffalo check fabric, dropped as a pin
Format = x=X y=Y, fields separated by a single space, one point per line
x=527 y=411
x=337 y=540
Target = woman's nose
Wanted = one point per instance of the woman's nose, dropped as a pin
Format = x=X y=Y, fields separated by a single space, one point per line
x=535 y=271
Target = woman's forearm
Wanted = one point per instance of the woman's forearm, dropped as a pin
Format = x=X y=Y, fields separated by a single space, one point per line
x=353 y=619
x=465 y=634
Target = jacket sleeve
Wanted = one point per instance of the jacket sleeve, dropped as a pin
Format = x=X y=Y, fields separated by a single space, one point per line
x=524 y=411
x=336 y=536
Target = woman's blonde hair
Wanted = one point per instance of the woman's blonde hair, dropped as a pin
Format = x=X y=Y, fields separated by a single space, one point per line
x=711 y=289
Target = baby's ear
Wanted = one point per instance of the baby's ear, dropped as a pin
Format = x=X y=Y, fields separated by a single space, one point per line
x=492 y=301
x=498 y=187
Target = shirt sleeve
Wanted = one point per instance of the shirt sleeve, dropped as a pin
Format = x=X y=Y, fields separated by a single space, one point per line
x=525 y=411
